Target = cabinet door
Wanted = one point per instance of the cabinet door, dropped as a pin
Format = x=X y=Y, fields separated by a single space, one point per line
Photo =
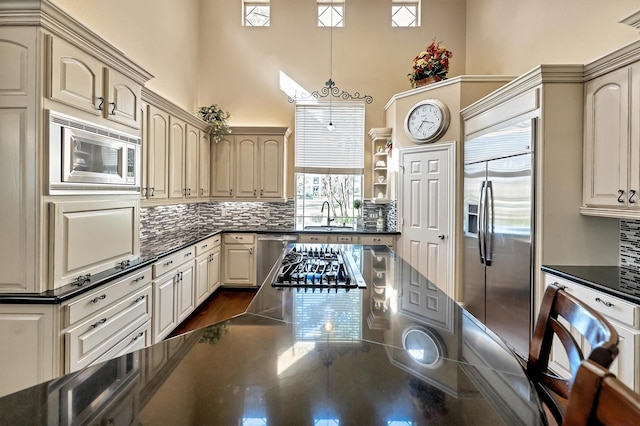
x=177 y=142
x=76 y=78
x=186 y=291
x=123 y=99
x=607 y=140
x=191 y=162
x=223 y=168
x=158 y=155
x=214 y=270
x=28 y=357
x=247 y=167
x=204 y=166
x=164 y=307
x=272 y=168
x=626 y=365
x=202 y=277
x=144 y=149
x=239 y=265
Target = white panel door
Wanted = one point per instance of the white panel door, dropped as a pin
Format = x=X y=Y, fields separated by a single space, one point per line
x=427 y=212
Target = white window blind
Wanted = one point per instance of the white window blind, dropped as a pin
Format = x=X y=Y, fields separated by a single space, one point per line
x=319 y=150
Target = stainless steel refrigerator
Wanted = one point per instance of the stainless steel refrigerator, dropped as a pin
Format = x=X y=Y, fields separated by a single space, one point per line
x=498 y=226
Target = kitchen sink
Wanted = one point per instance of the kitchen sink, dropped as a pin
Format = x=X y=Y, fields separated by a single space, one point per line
x=327 y=228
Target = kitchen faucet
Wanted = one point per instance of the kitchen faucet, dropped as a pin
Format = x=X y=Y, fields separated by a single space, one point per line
x=328 y=212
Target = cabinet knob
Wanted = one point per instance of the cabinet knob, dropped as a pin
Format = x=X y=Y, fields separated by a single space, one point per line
x=153 y=191
x=101 y=99
x=113 y=108
x=620 y=194
x=632 y=193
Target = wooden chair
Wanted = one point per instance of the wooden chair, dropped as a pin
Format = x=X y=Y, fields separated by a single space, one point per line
x=599 y=398
x=554 y=390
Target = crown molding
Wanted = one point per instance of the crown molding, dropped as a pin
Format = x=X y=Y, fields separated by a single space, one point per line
x=380 y=133
x=621 y=57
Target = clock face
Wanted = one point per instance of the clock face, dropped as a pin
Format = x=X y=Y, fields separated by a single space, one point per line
x=427 y=121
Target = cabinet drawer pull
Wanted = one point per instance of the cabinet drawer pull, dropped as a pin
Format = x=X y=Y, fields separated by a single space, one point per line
x=620 y=194
x=139 y=299
x=604 y=302
x=188 y=254
x=97 y=299
x=102 y=321
x=205 y=246
x=168 y=263
x=140 y=278
x=139 y=335
x=560 y=286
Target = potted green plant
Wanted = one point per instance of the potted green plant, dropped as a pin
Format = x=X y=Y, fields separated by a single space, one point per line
x=217 y=119
x=357 y=205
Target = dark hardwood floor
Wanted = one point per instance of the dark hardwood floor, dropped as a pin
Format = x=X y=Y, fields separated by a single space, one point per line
x=222 y=305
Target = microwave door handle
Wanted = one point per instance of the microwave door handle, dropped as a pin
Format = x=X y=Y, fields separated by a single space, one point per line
x=481 y=218
x=490 y=225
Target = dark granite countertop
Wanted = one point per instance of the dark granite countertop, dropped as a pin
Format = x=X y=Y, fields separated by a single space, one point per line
x=620 y=281
x=151 y=250
x=398 y=352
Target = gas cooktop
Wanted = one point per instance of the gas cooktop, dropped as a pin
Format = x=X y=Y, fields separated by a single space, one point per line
x=318 y=266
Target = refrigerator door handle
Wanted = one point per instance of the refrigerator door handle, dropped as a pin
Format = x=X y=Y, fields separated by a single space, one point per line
x=488 y=234
x=481 y=222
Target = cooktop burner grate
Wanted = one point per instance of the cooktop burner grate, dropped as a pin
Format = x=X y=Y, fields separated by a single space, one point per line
x=318 y=267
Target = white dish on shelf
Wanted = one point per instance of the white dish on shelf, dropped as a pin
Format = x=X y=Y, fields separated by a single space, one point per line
x=381 y=164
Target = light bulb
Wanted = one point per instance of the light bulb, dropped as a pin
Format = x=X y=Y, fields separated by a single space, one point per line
x=331 y=127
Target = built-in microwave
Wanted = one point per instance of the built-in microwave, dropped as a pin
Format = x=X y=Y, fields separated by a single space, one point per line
x=84 y=157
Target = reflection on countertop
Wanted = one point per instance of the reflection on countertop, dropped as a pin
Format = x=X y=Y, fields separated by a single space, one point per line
x=308 y=357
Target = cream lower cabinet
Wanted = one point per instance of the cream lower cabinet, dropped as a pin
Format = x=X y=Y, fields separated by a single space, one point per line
x=623 y=316
x=239 y=260
x=30 y=355
x=207 y=268
x=173 y=291
x=250 y=163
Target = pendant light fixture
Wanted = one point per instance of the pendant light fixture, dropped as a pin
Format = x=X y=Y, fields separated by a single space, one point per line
x=330 y=89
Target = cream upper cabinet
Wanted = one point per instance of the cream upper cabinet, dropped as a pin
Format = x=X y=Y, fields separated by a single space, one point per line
x=223 y=168
x=192 y=145
x=177 y=149
x=76 y=77
x=144 y=149
x=123 y=97
x=80 y=80
x=246 y=166
x=204 y=166
x=157 y=157
x=251 y=164
x=272 y=167
x=612 y=145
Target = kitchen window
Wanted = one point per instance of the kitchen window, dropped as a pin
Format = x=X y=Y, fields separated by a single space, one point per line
x=330 y=13
x=405 y=13
x=329 y=164
x=257 y=13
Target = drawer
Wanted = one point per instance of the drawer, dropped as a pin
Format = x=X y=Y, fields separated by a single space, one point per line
x=140 y=338
x=344 y=239
x=319 y=239
x=385 y=240
x=208 y=244
x=97 y=335
x=101 y=298
x=611 y=306
x=170 y=262
x=237 y=238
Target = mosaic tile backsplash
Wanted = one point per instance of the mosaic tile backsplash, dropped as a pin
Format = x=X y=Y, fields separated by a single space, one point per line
x=203 y=217
x=630 y=243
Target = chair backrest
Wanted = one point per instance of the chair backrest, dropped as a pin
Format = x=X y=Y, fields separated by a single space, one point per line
x=601 y=336
x=599 y=398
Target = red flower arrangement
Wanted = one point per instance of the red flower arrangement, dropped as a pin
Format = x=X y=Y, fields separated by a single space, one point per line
x=432 y=62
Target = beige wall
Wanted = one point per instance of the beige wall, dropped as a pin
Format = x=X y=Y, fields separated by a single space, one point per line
x=510 y=37
x=159 y=35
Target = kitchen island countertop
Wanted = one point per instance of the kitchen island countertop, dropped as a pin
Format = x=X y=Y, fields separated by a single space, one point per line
x=398 y=352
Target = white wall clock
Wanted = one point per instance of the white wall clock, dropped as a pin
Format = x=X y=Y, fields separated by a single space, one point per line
x=427 y=121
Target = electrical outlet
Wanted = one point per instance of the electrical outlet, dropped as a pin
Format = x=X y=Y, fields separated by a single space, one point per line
x=223 y=211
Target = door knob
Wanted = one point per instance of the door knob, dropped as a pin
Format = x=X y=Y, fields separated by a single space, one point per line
x=441 y=236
